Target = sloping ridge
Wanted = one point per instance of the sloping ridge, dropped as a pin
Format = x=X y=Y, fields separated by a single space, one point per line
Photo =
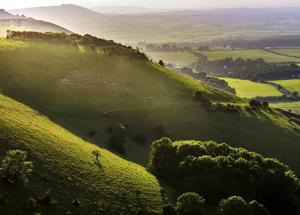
x=22 y=23
x=64 y=163
x=90 y=93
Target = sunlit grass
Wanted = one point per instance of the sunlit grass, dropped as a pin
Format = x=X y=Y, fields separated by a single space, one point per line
x=250 y=89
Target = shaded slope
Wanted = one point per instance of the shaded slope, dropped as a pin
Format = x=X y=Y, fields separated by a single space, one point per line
x=89 y=93
x=64 y=164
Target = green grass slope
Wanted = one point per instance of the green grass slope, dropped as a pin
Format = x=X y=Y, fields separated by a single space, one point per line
x=26 y=24
x=64 y=163
x=292 y=85
x=87 y=92
x=250 y=89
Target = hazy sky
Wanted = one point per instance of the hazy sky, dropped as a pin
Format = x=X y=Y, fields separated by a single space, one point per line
x=11 y=4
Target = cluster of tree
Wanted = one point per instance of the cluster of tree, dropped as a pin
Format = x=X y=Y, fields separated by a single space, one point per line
x=15 y=167
x=258 y=104
x=217 y=171
x=166 y=48
x=282 y=98
x=249 y=69
x=193 y=204
x=107 y=47
x=212 y=81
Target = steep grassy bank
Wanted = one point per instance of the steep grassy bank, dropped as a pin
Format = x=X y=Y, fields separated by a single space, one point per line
x=64 y=163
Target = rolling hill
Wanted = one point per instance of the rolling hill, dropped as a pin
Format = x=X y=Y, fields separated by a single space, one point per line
x=22 y=23
x=90 y=93
x=199 y=26
x=65 y=164
x=73 y=17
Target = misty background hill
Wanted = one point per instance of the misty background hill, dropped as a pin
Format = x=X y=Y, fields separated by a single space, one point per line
x=188 y=26
x=9 y=21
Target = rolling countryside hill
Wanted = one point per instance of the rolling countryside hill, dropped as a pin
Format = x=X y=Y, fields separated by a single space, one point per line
x=65 y=164
x=22 y=23
x=199 y=26
x=90 y=93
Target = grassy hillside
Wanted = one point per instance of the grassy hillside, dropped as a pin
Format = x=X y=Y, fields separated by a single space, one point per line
x=64 y=163
x=25 y=24
x=250 y=89
x=291 y=85
x=249 y=54
x=88 y=93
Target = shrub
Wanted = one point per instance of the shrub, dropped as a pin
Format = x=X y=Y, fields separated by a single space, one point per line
x=255 y=103
x=236 y=205
x=96 y=153
x=190 y=204
x=161 y=63
x=265 y=104
x=15 y=167
x=257 y=208
x=217 y=171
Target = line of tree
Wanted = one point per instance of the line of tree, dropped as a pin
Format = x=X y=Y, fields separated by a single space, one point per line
x=256 y=70
x=216 y=171
x=109 y=47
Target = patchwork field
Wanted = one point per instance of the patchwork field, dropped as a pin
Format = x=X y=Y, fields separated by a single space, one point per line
x=249 y=54
x=295 y=52
x=291 y=85
x=290 y=106
x=180 y=59
x=249 y=89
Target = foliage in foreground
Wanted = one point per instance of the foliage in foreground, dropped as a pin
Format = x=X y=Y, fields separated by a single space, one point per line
x=15 y=167
x=217 y=171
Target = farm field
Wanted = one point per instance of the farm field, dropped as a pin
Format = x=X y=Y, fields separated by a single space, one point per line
x=180 y=59
x=249 y=89
x=294 y=107
x=291 y=85
x=249 y=54
x=295 y=52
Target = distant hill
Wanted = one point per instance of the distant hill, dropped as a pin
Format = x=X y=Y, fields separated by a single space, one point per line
x=22 y=23
x=73 y=17
x=189 y=26
x=124 y=10
x=90 y=92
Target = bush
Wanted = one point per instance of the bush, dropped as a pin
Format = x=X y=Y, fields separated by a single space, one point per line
x=190 y=204
x=161 y=63
x=255 y=103
x=265 y=104
x=14 y=166
x=236 y=205
x=217 y=171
